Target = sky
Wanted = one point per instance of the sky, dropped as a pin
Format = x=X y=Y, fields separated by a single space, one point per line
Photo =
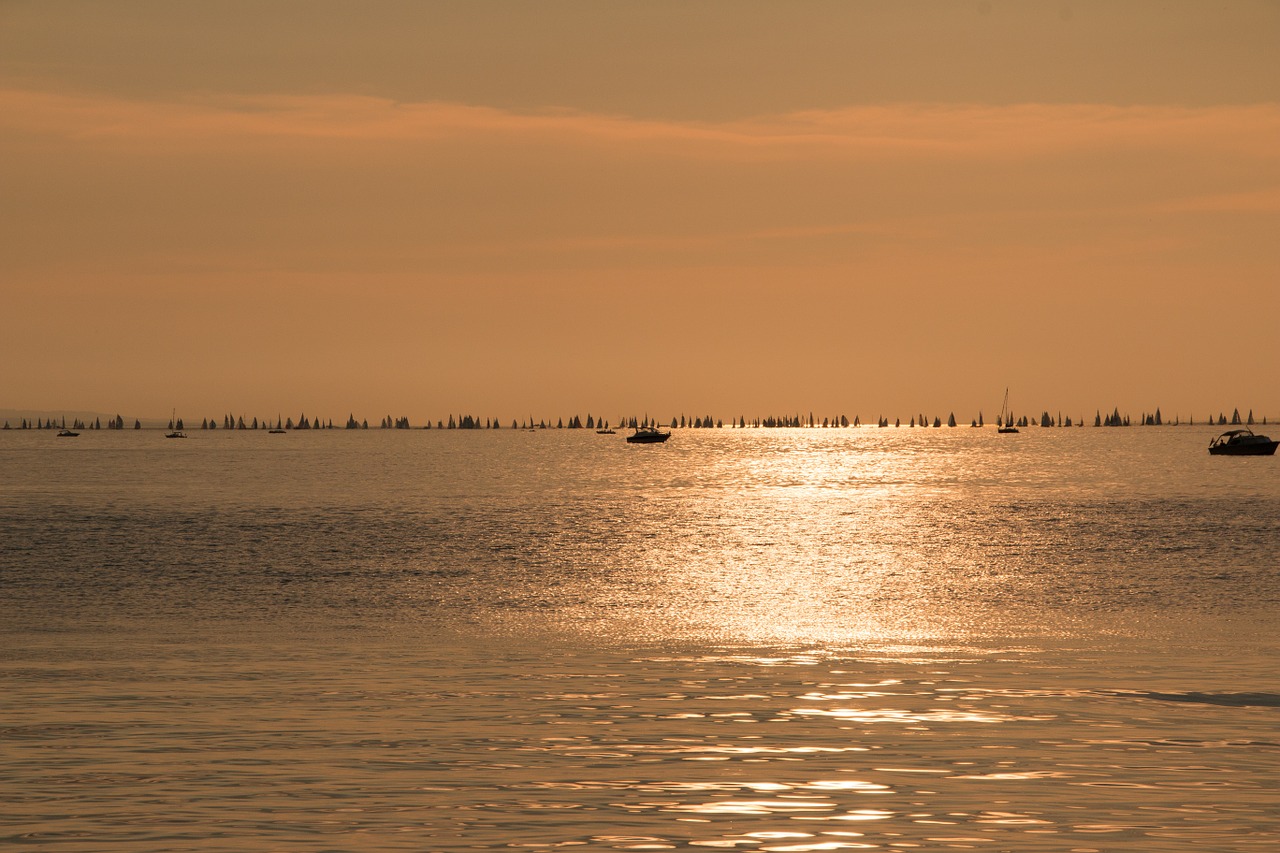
x=513 y=209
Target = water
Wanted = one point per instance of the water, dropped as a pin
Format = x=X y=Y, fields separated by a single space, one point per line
x=776 y=640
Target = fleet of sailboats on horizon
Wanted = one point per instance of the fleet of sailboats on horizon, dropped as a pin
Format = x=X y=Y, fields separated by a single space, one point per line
x=1244 y=441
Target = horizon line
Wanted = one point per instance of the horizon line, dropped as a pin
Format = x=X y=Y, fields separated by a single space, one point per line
x=93 y=420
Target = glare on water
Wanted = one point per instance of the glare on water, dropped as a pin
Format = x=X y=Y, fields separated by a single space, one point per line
x=743 y=639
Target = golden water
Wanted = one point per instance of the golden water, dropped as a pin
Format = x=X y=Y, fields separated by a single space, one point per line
x=782 y=640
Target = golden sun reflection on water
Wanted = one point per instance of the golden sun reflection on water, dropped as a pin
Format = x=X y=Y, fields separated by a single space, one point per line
x=821 y=537
x=868 y=748
x=808 y=660
x=895 y=715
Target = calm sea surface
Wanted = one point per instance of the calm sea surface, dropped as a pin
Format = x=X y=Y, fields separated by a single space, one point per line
x=760 y=640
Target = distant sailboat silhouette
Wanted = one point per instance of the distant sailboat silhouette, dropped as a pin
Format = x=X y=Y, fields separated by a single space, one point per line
x=175 y=425
x=1006 y=416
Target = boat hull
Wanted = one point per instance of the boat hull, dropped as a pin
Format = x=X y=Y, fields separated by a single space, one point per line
x=1256 y=448
x=648 y=439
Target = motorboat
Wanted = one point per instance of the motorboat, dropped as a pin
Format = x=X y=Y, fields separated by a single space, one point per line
x=177 y=433
x=1242 y=442
x=66 y=433
x=648 y=435
x=275 y=431
x=606 y=431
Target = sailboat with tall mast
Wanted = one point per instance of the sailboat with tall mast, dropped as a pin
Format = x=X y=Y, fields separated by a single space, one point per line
x=1006 y=416
x=175 y=426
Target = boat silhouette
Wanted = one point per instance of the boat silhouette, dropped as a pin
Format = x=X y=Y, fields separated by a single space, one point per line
x=648 y=435
x=1242 y=442
x=1006 y=416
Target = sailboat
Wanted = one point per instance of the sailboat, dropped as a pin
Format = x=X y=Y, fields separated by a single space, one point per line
x=175 y=431
x=1006 y=416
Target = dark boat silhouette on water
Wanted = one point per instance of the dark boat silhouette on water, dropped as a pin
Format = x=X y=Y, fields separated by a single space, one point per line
x=1242 y=442
x=1006 y=416
x=66 y=433
x=175 y=426
x=647 y=435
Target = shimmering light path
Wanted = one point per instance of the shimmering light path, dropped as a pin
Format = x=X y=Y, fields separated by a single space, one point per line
x=394 y=746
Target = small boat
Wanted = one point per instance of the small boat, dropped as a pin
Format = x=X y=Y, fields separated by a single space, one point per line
x=1006 y=416
x=175 y=426
x=647 y=435
x=66 y=433
x=275 y=431
x=606 y=431
x=1242 y=442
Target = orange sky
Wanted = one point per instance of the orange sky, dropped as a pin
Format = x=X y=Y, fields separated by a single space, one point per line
x=730 y=208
